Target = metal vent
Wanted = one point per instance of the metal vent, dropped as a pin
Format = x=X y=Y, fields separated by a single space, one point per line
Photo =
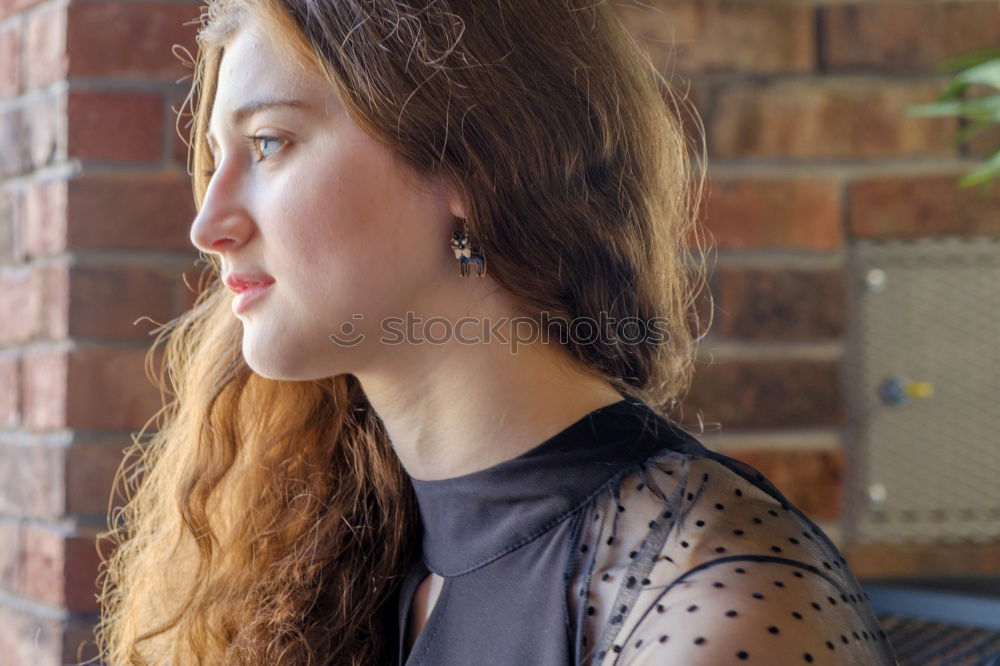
x=922 y=380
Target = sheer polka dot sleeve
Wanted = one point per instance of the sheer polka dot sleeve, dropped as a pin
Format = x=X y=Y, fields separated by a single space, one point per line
x=700 y=560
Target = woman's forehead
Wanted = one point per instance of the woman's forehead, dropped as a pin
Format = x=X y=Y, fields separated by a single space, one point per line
x=255 y=75
x=254 y=59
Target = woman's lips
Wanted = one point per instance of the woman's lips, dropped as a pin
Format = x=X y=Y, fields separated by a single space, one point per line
x=248 y=297
x=248 y=287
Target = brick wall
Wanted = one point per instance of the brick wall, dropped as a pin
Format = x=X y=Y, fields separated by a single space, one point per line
x=95 y=205
x=809 y=148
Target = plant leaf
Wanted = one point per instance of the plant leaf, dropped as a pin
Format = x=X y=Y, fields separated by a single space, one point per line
x=985 y=172
x=967 y=60
x=935 y=109
x=979 y=108
x=987 y=73
x=973 y=128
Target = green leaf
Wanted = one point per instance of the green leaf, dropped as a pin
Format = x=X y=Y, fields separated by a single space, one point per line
x=967 y=60
x=984 y=173
x=987 y=108
x=972 y=129
x=935 y=109
x=973 y=109
x=954 y=89
x=978 y=68
x=987 y=73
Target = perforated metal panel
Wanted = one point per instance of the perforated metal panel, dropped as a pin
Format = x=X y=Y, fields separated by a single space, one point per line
x=923 y=390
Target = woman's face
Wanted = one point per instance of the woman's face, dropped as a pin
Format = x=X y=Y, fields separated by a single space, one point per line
x=348 y=233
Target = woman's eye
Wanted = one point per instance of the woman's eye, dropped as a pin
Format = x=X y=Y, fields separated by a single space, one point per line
x=265 y=146
x=266 y=142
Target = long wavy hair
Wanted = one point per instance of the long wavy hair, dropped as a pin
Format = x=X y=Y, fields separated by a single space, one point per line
x=269 y=522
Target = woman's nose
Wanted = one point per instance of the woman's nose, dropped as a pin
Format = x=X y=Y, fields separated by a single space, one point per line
x=222 y=222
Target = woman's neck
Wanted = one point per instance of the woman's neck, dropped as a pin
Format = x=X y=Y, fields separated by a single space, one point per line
x=455 y=409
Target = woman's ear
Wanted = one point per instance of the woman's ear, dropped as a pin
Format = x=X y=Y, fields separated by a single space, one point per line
x=455 y=204
x=445 y=191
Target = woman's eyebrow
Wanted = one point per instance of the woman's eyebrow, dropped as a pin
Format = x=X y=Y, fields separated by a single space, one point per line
x=247 y=111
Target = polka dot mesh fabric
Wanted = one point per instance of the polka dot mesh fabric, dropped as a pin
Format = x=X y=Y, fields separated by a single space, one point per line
x=623 y=541
x=687 y=561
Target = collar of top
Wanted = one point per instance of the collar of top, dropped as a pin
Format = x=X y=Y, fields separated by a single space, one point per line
x=471 y=520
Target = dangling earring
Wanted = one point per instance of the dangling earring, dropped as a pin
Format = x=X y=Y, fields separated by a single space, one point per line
x=466 y=255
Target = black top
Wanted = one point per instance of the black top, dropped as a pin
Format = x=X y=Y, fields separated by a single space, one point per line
x=623 y=540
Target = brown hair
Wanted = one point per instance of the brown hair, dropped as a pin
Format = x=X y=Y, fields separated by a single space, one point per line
x=268 y=522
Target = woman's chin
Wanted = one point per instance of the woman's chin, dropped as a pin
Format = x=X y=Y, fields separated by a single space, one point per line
x=278 y=359
x=271 y=359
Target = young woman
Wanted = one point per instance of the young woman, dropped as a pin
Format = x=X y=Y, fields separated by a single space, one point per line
x=420 y=410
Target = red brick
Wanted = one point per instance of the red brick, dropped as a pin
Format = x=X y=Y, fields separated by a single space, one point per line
x=811 y=480
x=43 y=402
x=773 y=305
x=180 y=132
x=131 y=211
x=754 y=213
x=89 y=473
x=12 y=221
x=107 y=301
x=130 y=39
x=45 y=40
x=959 y=558
x=45 y=218
x=922 y=206
x=10 y=386
x=21 y=294
x=189 y=290
x=32 y=303
x=31 y=482
x=40 y=564
x=27 y=638
x=58 y=568
x=48 y=130
x=55 y=301
x=51 y=482
x=15 y=158
x=10 y=61
x=766 y=394
x=840 y=118
x=118 y=126
x=700 y=36
x=10 y=544
x=905 y=36
x=107 y=389
x=89 y=388
x=986 y=142
x=80 y=568
x=9 y=7
x=79 y=645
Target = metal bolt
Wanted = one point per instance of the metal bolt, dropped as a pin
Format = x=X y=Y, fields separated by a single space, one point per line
x=875 y=280
x=877 y=493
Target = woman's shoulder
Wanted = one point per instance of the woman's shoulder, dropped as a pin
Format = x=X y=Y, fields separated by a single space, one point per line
x=695 y=557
